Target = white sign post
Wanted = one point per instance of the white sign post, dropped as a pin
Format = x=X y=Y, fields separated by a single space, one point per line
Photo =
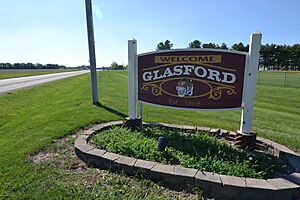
x=132 y=79
x=250 y=83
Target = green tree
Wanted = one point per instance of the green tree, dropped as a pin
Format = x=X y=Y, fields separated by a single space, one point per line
x=209 y=45
x=273 y=59
x=115 y=66
x=239 y=46
x=223 y=46
x=265 y=56
x=195 y=44
x=164 y=45
x=295 y=57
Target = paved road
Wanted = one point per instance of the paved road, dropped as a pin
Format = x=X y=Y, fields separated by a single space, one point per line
x=7 y=85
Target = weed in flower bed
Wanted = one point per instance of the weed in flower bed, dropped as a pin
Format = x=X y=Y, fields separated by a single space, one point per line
x=191 y=149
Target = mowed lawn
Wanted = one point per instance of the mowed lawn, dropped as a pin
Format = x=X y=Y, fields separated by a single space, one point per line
x=279 y=78
x=32 y=119
x=4 y=74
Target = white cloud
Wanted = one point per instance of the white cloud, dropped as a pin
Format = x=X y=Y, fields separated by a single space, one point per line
x=97 y=12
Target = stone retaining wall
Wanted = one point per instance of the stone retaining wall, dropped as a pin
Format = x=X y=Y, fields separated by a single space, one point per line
x=215 y=185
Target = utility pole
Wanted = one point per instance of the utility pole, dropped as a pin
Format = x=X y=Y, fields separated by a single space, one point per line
x=91 y=40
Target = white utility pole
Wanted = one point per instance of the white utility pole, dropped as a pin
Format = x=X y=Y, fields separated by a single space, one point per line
x=250 y=83
x=91 y=40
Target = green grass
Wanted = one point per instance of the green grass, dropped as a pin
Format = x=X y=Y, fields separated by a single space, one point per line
x=31 y=119
x=15 y=74
x=102 y=184
x=191 y=149
x=279 y=79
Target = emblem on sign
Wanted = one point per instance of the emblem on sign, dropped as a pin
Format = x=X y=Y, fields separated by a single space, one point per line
x=184 y=88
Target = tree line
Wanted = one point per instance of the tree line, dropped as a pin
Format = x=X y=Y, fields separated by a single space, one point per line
x=113 y=66
x=272 y=56
x=30 y=66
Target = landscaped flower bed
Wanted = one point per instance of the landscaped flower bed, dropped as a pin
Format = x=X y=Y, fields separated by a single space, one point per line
x=191 y=149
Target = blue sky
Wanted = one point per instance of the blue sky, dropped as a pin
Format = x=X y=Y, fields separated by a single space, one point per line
x=54 y=31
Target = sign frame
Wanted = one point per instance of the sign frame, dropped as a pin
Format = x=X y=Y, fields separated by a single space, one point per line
x=249 y=84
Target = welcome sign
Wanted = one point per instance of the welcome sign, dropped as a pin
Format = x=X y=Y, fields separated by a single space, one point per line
x=207 y=79
x=192 y=79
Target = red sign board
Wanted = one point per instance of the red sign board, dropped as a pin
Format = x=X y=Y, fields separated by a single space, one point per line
x=202 y=79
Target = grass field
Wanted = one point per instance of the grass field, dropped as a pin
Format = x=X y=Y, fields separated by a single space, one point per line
x=4 y=74
x=32 y=119
x=279 y=78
